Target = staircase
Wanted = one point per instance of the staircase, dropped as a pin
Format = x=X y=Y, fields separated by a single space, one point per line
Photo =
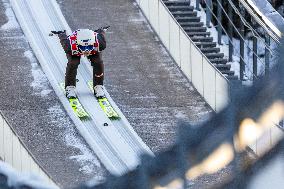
x=195 y=29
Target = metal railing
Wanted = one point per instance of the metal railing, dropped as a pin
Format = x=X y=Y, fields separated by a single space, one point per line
x=205 y=77
x=251 y=21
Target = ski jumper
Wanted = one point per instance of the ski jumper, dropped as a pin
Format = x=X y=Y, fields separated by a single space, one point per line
x=73 y=55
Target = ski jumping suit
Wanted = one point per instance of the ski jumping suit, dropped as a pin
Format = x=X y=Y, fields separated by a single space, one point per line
x=73 y=55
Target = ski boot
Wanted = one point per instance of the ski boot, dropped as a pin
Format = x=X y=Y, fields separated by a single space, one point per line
x=99 y=91
x=71 y=92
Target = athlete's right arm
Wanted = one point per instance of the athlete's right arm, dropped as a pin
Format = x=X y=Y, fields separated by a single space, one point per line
x=63 y=38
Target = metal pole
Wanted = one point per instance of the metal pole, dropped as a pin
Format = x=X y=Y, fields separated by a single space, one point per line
x=182 y=158
x=242 y=46
x=143 y=178
x=208 y=12
x=219 y=15
x=281 y=123
x=254 y=67
x=183 y=164
x=267 y=54
x=230 y=14
x=197 y=5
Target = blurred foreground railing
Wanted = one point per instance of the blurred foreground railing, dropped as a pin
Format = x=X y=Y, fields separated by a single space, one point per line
x=221 y=141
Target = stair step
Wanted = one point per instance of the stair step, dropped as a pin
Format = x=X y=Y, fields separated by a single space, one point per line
x=205 y=44
x=191 y=34
x=214 y=55
x=219 y=61
x=174 y=8
x=195 y=29
x=184 y=13
x=180 y=3
x=232 y=77
x=201 y=39
x=191 y=24
x=222 y=66
x=210 y=50
x=188 y=19
x=227 y=72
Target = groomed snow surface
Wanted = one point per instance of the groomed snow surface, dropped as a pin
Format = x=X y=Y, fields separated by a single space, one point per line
x=117 y=145
x=41 y=87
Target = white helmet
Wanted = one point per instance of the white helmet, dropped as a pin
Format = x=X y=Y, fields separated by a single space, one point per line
x=85 y=39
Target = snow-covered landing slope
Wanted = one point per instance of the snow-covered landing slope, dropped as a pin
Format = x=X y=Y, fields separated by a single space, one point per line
x=117 y=146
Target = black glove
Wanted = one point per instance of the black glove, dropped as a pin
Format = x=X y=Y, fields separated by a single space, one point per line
x=102 y=29
x=58 y=32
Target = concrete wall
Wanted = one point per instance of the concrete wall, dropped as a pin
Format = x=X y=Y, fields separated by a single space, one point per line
x=208 y=81
x=13 y=152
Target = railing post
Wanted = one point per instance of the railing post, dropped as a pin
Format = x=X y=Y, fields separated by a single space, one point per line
x=182 y=159
x=254 y=58
x=230 y=14
x=219 y=15
x=208 y=12
x=197 y=6
x=267 y=54
x=281 y=124
x=143 y=177
x=242 y=46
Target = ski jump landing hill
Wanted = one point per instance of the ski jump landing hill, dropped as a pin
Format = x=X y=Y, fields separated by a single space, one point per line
x=117 y=145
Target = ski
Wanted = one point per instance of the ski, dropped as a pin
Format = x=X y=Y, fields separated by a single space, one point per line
x=76 y=106
x=105 y=105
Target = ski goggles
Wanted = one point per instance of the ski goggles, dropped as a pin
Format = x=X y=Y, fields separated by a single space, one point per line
x=86 y=48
